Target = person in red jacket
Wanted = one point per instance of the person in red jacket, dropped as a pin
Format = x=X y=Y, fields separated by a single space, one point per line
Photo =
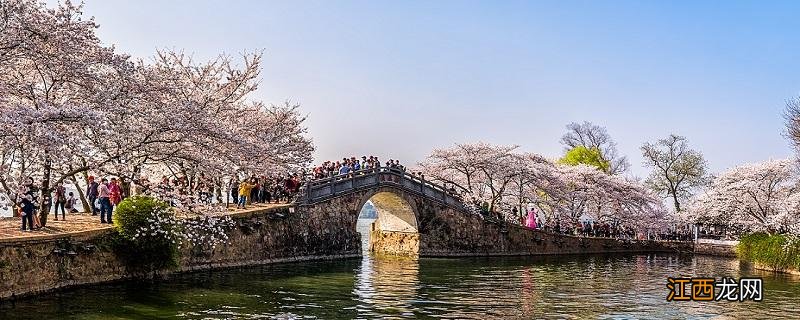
x=114 y=192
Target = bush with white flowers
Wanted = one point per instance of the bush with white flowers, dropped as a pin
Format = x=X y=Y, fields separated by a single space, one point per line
x=152 y=232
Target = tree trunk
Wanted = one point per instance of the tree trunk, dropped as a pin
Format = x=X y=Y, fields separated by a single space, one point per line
x=81 y=195
x=125 y=188
x=219 y=186
x=677 y=204
x=44 y=207
x=87 y=207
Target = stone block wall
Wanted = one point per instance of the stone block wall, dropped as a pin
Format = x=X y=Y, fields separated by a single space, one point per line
x=714 y=249
x=448 y=232
x=393 y=242
x=261 y=237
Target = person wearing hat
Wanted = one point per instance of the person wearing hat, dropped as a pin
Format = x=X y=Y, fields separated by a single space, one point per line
x=91 y=192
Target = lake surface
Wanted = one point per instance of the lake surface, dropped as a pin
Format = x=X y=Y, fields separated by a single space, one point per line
x=572 y=287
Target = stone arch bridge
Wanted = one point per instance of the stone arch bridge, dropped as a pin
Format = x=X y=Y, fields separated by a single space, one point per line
x=417 y=217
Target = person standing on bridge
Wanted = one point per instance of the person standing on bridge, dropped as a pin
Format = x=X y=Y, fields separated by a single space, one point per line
x=233 y=187
x=345 y=169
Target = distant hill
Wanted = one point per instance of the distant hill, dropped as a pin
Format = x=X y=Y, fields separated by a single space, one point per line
x=368 y=211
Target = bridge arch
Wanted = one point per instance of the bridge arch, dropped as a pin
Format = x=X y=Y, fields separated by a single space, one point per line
x=405 y=204
x=395 y=231
x=395 y=212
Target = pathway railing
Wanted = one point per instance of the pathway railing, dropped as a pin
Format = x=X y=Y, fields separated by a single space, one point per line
x=323 y=189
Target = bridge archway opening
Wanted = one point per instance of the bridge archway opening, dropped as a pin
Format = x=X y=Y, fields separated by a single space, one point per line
x=394 y=212
x=391 y=219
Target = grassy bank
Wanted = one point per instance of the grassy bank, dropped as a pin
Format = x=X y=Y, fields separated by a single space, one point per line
x=778 y=252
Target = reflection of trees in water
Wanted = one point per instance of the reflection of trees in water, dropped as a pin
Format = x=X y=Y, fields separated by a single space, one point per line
x=561 y=287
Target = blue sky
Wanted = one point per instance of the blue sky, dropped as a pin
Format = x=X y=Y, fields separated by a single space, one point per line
x=397 y=79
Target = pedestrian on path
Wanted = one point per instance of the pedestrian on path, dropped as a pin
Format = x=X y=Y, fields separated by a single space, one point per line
x=27 y=200
x=244 y=193
x=105 y=203
x=60 y=201
x=91 y=192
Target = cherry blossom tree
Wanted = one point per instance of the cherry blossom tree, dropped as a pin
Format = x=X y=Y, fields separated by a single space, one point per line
x=478 y=169
x=752 y=197
x=51 y=70
x=792 y=116
x=504 y=178
x=529 y=177
x=70 y=106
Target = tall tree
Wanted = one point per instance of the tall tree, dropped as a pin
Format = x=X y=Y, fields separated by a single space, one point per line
x=592 y=136
x=677 y=169
x=53 y=75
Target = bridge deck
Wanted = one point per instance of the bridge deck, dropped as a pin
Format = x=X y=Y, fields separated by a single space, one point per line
x=323 y=189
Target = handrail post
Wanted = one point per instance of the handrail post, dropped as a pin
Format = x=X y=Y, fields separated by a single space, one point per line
x=332 y=184
x=308 y=193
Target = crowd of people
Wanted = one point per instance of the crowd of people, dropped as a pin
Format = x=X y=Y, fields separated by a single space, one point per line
x=348 y=166
x=586 y=228
x=265 y=189
x=277 y=189
x=103 y=197
x=28 y=199
x=589 y=228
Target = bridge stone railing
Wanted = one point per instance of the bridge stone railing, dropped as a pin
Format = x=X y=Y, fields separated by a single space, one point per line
x=323 y=189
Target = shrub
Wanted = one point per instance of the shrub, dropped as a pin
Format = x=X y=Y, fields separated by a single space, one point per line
x=147 y=239
x=777 y=251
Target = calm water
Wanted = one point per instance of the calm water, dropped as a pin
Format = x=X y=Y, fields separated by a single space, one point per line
x=578 y=287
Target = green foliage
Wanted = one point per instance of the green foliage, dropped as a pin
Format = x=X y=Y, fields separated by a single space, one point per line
x=137 y=242
x=588 y=156
x=778 y=251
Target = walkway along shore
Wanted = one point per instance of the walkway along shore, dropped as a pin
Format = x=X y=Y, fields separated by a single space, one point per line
x=83 y=225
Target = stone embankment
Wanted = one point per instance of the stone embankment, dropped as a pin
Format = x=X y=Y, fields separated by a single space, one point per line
x=260 y=236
